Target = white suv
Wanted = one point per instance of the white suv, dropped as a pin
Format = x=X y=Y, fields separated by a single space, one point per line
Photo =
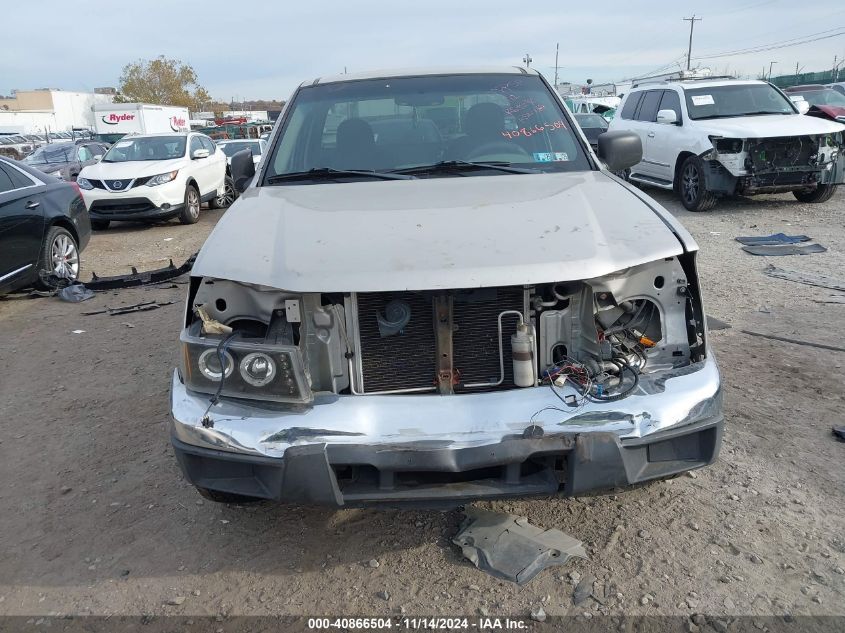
x=156 y=177
x=720 y=137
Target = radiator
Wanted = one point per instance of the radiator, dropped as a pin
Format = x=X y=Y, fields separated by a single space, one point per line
x=407 y=359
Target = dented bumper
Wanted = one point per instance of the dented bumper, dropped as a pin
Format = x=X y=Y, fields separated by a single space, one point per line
x=352 y=450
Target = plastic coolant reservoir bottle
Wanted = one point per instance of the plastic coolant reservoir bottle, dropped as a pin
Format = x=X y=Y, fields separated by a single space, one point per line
x=522 y=351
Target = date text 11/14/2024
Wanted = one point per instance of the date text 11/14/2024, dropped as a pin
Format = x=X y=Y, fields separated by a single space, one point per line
x=418 y=623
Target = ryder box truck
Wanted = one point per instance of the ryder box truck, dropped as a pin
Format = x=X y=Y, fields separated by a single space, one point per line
x=115 y=120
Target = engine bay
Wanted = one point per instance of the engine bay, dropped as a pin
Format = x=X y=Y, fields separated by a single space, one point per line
x=596 y=337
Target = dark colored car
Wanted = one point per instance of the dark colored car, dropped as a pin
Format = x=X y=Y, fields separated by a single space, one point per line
x=65 y=160
x=824 y=102
x=43 y=227
x=592 y=125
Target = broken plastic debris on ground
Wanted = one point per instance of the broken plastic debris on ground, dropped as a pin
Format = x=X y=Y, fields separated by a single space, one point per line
x=142 y=278
x=811 y=279
x=137 y=307
x=779 y=244
x=509 y=547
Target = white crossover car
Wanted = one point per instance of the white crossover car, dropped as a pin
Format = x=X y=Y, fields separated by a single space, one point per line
x=432 y=290
x=707 y=138
x=155 y=177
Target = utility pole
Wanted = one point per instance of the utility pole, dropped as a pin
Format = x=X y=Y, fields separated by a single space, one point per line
x=692 y=22
x=527 y=59
x=770 y=69
x=557 y=52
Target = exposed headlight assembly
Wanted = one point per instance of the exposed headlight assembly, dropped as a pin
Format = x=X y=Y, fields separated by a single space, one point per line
x=84 y=183
x=161 y=179
x=727 y=145
x=248 y=369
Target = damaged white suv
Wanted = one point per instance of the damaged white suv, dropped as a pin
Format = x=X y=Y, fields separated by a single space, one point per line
x=433 y=291
x=708 y=138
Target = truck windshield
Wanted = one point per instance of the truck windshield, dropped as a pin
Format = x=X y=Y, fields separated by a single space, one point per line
x=52 y=154
x=716 y=102
x=410 y=123
x=146 y=148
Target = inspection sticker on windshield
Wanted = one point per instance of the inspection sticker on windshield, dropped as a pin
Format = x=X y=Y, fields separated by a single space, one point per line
x=548 y=157
x=123 y=144
x=701 y=100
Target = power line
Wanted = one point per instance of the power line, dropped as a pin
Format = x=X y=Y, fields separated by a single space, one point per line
x=746 y=8
x=777 y=45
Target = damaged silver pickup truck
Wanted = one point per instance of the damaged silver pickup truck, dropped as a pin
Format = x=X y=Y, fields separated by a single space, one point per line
x=432 y=291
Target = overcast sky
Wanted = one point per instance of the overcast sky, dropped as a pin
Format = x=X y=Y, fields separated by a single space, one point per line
x=261 y=49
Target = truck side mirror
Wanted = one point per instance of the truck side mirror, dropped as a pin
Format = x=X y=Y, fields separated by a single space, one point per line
x=620 y=149
x=667 y=117
x=243 y=169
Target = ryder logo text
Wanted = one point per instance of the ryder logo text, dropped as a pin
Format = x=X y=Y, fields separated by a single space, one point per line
x=114 y=119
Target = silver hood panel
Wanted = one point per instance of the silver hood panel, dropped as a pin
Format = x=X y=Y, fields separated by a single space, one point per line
x=428 y=234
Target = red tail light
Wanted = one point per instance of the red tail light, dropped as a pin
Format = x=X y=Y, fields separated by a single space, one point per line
x=75 y=186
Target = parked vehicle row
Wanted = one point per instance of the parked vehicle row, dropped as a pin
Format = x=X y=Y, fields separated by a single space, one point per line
x=19 y=146
x=714 y=137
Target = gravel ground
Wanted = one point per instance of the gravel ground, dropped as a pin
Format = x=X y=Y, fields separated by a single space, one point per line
x=96 y=519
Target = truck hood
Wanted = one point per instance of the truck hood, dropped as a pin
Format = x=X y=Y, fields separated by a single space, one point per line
x=439 y=233
x=131 y=169
x=770 y=126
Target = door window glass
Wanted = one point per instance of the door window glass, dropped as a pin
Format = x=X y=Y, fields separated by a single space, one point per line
x=671 y=101
x=6 y=183
x=648 y=108
x=208 y=144
x=631 y=105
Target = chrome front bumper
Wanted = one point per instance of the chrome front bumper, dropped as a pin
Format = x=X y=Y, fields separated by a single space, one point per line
x=663 y=400
x=672 y=423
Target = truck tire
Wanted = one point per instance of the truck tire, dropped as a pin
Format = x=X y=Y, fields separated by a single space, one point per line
x=225 y=497
x=227 y=197
x=191 y=211
x=692 y=186
x=100 y=225
x=822 y=193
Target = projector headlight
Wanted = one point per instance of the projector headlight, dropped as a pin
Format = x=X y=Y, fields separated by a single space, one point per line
x=248 y=368
x=258 y=369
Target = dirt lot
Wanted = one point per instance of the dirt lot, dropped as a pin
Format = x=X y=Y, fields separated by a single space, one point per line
x=96 y=519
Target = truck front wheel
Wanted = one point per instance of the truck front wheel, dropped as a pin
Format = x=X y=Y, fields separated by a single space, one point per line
x=693 y=186
x=822 y=193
